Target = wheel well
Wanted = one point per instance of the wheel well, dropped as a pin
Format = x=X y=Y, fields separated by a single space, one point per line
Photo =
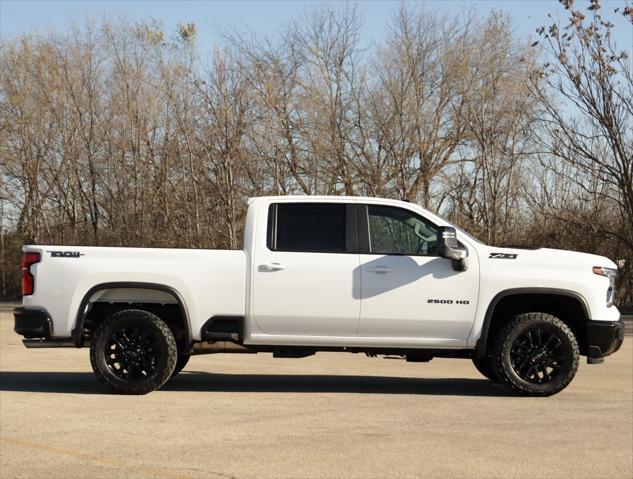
x=103 y=301
x=568 y=309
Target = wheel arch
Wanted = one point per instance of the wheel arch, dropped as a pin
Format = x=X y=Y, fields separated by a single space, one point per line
x=570 y=304
x=83 y=309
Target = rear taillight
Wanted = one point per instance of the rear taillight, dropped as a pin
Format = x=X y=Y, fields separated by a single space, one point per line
x=28 y=281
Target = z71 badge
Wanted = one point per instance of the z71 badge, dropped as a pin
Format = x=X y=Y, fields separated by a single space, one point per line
x=503 y=255
x=65 y=254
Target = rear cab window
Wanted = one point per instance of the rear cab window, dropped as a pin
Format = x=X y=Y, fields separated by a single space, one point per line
x=307 y=227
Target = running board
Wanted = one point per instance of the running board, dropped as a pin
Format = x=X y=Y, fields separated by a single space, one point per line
x=220 y=347
x=49 y=343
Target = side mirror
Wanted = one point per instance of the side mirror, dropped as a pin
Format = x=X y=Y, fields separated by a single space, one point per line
x=449 y=248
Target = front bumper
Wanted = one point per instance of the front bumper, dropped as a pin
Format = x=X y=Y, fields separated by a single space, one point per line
x=603 y=338
x=32 y=323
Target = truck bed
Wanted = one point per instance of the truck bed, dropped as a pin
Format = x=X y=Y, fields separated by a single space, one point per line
x=211 y=282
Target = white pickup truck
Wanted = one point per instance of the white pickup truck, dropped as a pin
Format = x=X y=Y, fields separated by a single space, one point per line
x=321 y=273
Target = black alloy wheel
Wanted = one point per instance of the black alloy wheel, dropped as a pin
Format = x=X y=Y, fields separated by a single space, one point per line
x=535 y=354
x=133 y=352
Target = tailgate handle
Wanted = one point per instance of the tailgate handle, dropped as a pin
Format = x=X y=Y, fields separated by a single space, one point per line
x=267 y=268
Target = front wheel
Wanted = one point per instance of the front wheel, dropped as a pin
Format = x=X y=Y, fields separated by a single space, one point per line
x=133 y=352
x=484 y=366
x=536 y=354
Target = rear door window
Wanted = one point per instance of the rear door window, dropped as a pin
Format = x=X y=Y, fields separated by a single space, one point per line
x=307 y=227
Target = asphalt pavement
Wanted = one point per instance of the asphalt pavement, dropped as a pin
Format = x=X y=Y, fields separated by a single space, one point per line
x=333 y=415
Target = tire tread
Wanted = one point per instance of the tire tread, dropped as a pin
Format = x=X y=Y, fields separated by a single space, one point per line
x=501 y=344
x=132 y=389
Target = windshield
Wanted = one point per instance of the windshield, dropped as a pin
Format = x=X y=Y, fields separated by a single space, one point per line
x=469 y=236
x=462 y=231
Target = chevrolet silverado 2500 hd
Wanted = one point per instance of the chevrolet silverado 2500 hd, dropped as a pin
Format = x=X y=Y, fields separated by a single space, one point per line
x=320 y=273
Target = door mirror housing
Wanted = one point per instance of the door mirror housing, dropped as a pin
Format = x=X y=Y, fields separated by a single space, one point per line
x=449 y=248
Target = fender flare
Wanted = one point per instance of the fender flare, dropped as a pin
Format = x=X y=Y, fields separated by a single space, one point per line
x=81 y=312
x=480 y=347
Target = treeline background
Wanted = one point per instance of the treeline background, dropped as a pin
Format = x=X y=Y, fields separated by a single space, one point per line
x=123 y=134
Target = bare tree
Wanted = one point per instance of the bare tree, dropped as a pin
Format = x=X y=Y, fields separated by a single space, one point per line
x=122 y=134
x=485 y=185
x=417 y=108
x=587 y=90
x=226 y=96
x=330 y=82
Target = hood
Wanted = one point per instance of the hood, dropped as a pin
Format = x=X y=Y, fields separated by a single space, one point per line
x=551 y=258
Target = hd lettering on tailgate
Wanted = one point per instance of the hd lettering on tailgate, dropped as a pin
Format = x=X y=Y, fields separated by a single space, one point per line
x=65 y=254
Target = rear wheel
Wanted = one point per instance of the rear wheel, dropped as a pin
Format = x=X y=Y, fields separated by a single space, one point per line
x=536 y=354
x=181 y=362
x=133 y=352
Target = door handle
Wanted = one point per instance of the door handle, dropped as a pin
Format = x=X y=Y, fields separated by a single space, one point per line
x=267 y=268
x=379 y=269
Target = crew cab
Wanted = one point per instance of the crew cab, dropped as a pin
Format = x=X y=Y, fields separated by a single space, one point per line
x=325 y=273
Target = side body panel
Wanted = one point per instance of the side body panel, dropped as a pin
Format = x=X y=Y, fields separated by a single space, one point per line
x=334 y=285
x=315 y=294
x=210 y=282
x=418 y=297
x=504 y=269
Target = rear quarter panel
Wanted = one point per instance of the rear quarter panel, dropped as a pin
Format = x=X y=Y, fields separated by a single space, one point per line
x=210 y=282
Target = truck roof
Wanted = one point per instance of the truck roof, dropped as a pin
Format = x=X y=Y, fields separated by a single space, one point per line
x=328 y=198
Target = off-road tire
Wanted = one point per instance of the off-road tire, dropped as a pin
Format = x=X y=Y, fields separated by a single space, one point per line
x=510 y=342
x=162 y=352
x=181 y=362
x=484 y=366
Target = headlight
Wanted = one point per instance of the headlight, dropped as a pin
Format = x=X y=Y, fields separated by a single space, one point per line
x=610 y=273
